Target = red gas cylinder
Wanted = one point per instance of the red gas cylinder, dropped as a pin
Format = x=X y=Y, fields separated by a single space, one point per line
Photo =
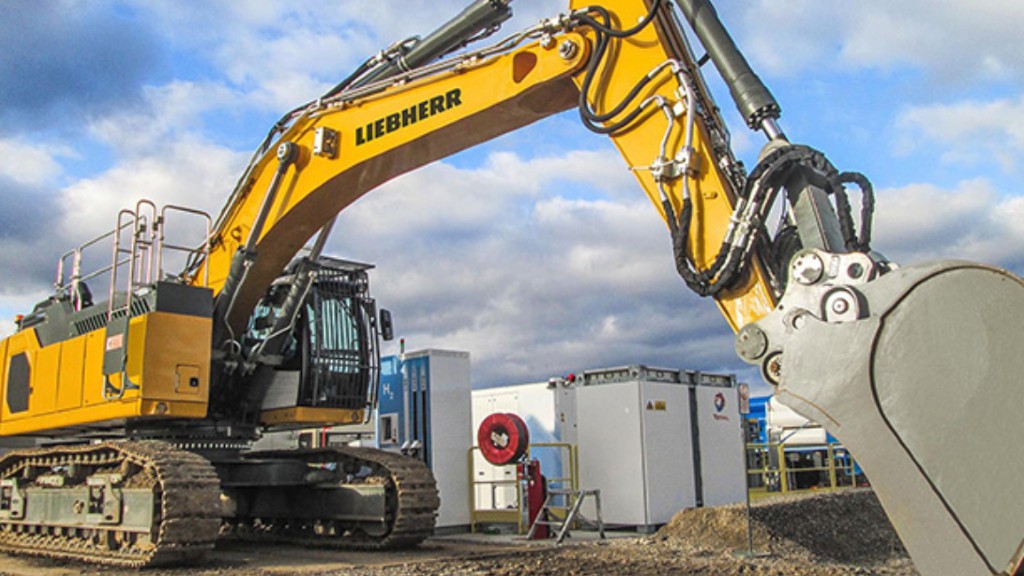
x=529 y=474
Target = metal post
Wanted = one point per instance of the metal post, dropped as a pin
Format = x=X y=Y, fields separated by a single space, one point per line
x=76 y=275
x=744 y=398
x=750 y=526
x=749 y=552
x=472 y=490
x=831 y=466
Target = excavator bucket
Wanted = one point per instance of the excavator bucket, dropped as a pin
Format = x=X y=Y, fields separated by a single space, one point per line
x=920 y=373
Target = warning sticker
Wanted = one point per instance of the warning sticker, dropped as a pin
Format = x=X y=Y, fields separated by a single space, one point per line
x=659 y=405
x=114 y=342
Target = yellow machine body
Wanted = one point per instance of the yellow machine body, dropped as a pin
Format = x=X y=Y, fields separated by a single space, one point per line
x=62 y=386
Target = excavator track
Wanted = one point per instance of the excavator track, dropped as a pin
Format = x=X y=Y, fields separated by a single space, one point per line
x=181 y=488
x=412 y=503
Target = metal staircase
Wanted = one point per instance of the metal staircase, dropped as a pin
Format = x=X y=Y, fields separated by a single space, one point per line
x=575 y=498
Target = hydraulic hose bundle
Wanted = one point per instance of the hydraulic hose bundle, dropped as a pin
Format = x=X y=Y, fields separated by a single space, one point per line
x=770 y=176
x=762 y=185
x=604 y=33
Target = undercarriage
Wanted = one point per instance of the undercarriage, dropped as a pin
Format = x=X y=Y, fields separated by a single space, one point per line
x=145 y=503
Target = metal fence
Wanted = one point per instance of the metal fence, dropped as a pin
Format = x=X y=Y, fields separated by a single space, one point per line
x=782 y=468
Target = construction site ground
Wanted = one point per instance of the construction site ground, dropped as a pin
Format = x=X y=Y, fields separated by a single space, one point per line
x=809 y=535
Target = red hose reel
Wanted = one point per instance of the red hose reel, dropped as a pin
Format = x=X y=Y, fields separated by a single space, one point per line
x=503 y=438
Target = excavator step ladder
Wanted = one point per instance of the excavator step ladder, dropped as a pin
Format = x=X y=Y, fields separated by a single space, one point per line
x=576 y=497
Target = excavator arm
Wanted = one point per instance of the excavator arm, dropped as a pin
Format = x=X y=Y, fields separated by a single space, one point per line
x=342 y=146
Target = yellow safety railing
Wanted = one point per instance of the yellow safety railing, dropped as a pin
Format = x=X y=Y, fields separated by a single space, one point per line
x=569 y=480
x=770 y=468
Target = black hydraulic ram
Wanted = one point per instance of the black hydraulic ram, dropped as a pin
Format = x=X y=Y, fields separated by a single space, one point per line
x=753 y=99
x=478 y=18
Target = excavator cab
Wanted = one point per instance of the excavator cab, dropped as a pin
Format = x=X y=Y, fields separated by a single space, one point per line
x=321 y=355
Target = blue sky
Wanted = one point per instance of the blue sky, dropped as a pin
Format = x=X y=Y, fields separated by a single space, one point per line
x=562 y=265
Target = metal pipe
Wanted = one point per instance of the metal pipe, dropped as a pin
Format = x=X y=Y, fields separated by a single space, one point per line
x=287 y=153
x=771 y=129
x=114 y=266
x=321 y=239
x=753 y=99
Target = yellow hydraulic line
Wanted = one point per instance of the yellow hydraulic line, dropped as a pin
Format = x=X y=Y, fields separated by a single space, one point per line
x=783 y=473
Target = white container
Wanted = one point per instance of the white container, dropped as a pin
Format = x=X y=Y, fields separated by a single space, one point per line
x=654 y=441
x=635 y=448
x=720 y=432
x=786 y=426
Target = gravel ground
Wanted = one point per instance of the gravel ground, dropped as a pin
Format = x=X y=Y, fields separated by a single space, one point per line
x=843 y=533
x=835 y=534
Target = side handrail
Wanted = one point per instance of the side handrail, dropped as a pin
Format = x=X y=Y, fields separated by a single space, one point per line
x=144 y=255
x=162 y=244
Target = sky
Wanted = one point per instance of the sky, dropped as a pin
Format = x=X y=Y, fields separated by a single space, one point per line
x=537 y=252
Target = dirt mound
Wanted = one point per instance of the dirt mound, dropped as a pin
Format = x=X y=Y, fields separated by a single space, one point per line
x=847 y=527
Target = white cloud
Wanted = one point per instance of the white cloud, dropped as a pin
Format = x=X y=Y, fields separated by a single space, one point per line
x=495 y=260
x=975 y=132
x=167 y=113
x=396 y=20
x=921 y=222
x=784 y=37
x=15 y=303
x=601 y=171
x=280 y=72
x=7 y=327
x=30 y=164
x=161 y=156
x=282 y=54
x=952 y=40
x=186 y=172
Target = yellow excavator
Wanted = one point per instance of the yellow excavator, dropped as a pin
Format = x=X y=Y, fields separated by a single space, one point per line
x=152 y=397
